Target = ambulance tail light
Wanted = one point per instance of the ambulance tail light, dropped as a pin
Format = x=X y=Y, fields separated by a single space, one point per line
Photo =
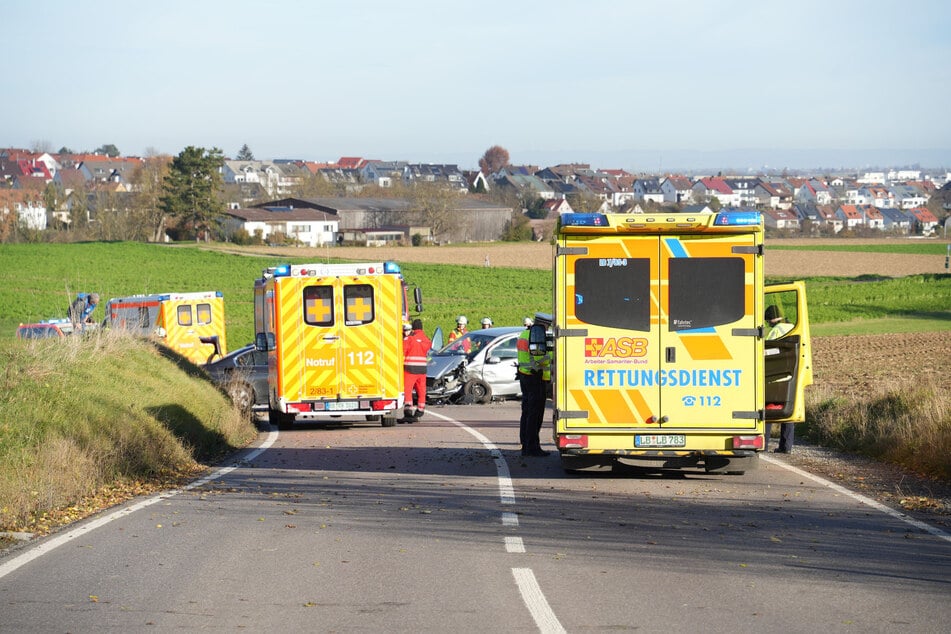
x=383 y=405
x=298 y=407
x=748 y=442
x=573 y=441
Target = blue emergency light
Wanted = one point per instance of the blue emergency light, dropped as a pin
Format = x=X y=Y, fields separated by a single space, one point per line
x=737 y=218
x=584 y=220
x=391 y=267
x=282 y=271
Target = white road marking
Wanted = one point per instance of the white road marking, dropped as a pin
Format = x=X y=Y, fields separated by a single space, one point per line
x=937 y=532
x=531 y=593
x=514 y=545
x=54 y=542
x=506 y=490
x=536 y=602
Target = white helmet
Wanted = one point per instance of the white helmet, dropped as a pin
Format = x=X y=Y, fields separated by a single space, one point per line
x=407 y=328
x=486 y=322
x=461 y=320
x=527 y=322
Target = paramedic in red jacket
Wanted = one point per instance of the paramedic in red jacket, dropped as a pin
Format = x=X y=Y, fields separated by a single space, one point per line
x=416 y=346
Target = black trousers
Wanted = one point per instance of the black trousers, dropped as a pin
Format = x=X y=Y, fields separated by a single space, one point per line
x=534 y=394
x=787 y=433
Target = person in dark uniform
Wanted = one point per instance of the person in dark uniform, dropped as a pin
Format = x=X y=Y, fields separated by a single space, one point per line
x=534 y=375
x=787 y=434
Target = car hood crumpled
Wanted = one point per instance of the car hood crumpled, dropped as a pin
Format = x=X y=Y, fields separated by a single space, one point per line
x=441 y=365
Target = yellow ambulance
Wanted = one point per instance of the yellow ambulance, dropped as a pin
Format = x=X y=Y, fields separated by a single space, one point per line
x=334 y=340
x=191 y=324
x=661 y=357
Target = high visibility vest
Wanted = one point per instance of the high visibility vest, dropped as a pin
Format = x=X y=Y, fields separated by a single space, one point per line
x=531 y=364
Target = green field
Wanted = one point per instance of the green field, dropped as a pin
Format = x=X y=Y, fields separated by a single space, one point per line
x=903 y=248
x=38 y=281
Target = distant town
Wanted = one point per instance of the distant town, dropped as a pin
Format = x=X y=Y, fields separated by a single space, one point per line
x=355 y=200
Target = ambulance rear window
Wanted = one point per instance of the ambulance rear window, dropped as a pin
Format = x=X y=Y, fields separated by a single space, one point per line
x=613 y=292
x=359 y=303
x=204 y=314
x=319 y=305
x=184 y=314
x=705 y=292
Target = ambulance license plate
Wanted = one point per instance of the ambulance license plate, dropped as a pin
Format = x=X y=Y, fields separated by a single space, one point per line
x=660 y=440
x=337 y=406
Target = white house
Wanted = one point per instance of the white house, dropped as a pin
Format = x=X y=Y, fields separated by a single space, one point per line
x=677 y=189
x=310 y=227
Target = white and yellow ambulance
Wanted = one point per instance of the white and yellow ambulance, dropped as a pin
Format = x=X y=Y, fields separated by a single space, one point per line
x=334 y=339
x=660 y=350
x=191 y=324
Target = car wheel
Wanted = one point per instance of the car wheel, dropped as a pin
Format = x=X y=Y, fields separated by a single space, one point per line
x=477 y=391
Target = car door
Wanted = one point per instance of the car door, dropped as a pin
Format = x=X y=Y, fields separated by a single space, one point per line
x=501 y=365
x=788 y=350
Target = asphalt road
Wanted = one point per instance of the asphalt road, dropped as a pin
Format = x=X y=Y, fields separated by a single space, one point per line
x=442 y=526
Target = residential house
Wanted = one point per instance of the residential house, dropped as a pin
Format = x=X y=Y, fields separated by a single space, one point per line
x=872 y=217
x=872 y=178
x=925 y=222
x=648 y=190
x=677 y=189
x=310 y=227
x=447 y=175
x=555 y=207
x=350 y=162
x=525 y=185
x=814 y=191
x=743 y=190
x=119 y=171
x=903 y=176
x=382 y=173
x=772 y=194
x=896 y=220
x=908 y=196
x=774 y=218
x=276 y=178
x=877 y=195
x=476 y=180
x=711 y=187
x=29 y=210
x=850 y=216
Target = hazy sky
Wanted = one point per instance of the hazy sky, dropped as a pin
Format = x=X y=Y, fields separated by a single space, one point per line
x=635 y=84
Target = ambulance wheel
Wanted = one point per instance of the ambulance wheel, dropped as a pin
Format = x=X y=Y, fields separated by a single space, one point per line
x=280 y=419
x=477 y=391
x=373 y=418
x=389 y=421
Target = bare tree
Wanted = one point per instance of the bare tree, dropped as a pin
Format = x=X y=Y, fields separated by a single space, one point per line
x=494 y=159
x=435 y=206
x=147 y=181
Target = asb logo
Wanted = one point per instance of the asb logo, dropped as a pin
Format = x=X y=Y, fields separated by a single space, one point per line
x=624 y=347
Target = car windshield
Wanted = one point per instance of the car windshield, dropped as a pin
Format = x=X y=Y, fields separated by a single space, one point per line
x=469 y=344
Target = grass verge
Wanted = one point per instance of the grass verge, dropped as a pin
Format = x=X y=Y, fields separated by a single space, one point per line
x=87 y=421
x=905 y=421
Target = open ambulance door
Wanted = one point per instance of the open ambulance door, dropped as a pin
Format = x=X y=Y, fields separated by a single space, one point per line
x=788 y=350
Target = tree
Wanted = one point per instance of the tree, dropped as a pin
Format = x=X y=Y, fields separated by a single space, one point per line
x=435 y=206
x=147 y=181
x=494 y=159
x=109 y=150
x=190 y=190
x=245 y=154
x=65 y=150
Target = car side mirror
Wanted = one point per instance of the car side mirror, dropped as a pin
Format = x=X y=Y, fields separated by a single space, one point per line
x=261 y=341
x=493 y=360
x=537 y=340
x=418 y=298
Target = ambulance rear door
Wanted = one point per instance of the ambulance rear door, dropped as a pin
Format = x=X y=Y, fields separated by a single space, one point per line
x=608 y=339
x=187 y=321
x=709 y=362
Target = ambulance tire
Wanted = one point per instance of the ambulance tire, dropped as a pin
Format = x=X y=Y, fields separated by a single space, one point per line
x=477 y=391
x=389 y=421
x=281 y=420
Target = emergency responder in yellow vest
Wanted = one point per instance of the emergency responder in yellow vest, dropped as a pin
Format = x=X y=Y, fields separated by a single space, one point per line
x=534 y=376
